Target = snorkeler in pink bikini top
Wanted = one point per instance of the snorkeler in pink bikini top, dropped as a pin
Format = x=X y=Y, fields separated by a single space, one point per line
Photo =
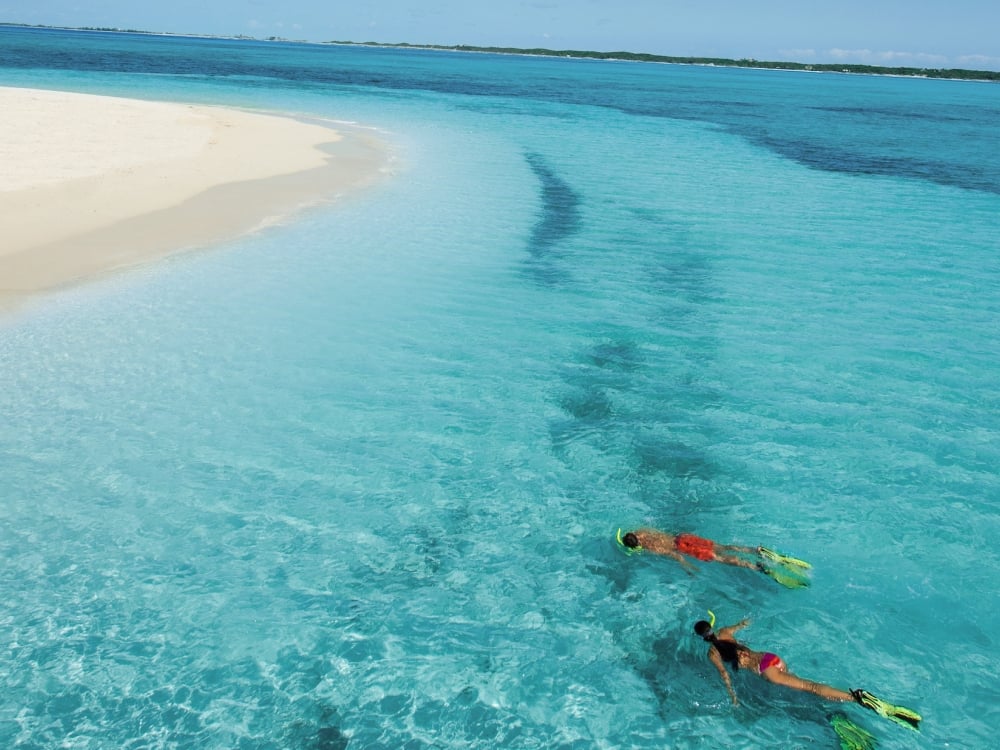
x=725 y=650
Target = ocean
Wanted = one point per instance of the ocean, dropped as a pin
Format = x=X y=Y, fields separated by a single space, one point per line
x=353 y=481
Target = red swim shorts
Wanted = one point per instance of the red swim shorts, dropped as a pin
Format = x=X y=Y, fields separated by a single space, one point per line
x=695 y=546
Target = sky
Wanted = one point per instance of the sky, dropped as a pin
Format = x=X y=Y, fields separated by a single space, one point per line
x=912 y=33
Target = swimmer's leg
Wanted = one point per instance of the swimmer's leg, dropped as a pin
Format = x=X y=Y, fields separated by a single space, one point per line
x=789 y=680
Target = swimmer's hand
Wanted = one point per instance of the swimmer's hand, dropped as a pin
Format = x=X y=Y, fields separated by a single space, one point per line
x=688 y=567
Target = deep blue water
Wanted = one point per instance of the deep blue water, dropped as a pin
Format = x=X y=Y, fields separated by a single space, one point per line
x=365 y=497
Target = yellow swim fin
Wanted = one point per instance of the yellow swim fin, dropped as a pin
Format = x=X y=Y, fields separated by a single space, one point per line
x=776 y=557
x=899 y=714
x=852 y=737
x=784 y=576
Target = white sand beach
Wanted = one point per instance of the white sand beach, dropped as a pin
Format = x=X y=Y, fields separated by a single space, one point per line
x=94 y=183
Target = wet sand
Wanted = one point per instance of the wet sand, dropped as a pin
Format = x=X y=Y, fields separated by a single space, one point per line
x=92 y=184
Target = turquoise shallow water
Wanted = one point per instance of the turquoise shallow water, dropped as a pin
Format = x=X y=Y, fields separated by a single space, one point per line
x=366 y=497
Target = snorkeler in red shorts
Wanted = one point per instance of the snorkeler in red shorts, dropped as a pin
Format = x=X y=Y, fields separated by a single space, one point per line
x=704 y=549
x=676 y=545
x=788 y=571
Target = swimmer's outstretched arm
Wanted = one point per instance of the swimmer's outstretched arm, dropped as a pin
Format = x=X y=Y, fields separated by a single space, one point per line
x=727 y=632
x=716 y=659
x=684 y=563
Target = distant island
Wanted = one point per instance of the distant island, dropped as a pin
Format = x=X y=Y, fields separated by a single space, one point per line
x=951 y=73
x=945 y=73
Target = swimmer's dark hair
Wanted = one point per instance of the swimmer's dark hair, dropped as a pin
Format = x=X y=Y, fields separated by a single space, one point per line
x=630 y=540
x=728 y=650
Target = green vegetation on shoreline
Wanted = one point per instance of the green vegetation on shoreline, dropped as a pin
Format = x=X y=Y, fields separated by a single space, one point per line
x=953 y=73
x=945 y=73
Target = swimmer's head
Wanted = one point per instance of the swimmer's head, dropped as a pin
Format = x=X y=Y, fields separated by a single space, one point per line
x=630 y=540
x=703 y=629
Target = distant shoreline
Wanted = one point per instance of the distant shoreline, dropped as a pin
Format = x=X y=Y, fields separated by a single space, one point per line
x=719 y=62
x=959 y=74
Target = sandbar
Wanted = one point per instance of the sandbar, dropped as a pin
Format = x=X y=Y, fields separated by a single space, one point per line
x=92 y=184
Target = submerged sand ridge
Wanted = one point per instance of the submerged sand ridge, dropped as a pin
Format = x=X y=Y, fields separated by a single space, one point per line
x=91 y=183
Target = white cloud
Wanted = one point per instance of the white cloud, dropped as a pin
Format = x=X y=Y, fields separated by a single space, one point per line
x=794 y=55
x=979 y=61
x=888 y=57
x=845 y=53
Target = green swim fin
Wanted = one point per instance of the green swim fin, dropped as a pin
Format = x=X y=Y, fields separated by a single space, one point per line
x=898 y=714
x=776 y=557
x=852 y=737
x=785 y=577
